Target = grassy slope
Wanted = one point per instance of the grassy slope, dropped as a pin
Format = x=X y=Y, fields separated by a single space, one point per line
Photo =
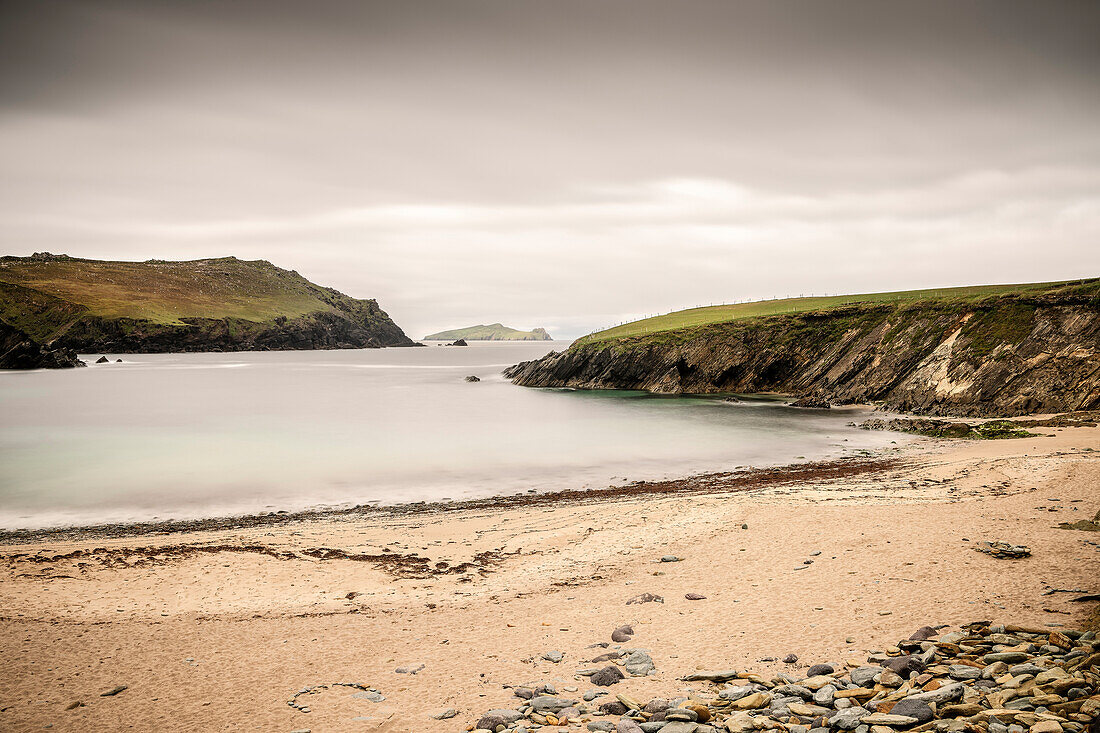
x=165 y=292
x=694 y=317
x=493 y=331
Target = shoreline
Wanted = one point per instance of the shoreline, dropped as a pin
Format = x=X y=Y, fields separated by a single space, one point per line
x=455 y=606
x=718 y=481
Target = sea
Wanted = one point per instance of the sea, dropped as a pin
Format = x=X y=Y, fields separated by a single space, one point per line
x=186 y=436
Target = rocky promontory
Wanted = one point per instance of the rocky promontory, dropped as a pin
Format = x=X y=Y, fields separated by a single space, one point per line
x=224 y=304
x=1011 y=354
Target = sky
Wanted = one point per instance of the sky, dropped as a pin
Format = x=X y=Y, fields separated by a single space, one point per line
x=561 y=164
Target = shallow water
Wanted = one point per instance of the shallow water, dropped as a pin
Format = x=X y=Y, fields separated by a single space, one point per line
x=193 y=435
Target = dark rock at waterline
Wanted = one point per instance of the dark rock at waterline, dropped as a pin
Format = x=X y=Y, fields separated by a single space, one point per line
x=102 y=360
x=460 y=342
x=20 y=351
x=473 y=378
x=815 y=401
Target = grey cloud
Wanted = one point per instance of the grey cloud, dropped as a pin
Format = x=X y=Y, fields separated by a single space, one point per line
x=569 y=162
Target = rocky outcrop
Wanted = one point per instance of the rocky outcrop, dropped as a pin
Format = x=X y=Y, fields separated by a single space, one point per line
x=1009 y=355
x=19 y=351
x=222 y=304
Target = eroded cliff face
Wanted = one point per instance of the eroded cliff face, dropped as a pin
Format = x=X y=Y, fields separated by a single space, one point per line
x=1005 y=356
x=19 y=351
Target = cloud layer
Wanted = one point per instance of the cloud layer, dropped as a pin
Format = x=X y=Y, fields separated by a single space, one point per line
x=560 y=164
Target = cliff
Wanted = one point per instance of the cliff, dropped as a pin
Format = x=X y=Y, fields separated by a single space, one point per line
x=492 y=332
x=20 y=351
x=222 y=304
x=1035 y=350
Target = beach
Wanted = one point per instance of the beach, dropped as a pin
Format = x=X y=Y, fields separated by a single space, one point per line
x=217 y=628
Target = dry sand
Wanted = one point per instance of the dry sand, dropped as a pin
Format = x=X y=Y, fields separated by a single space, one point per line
x=215 y=630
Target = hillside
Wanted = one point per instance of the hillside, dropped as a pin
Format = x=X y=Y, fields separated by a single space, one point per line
x=222 y=304
x=1001 y=350
x=492 y=332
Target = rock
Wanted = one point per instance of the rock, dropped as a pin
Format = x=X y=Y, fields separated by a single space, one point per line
x=1004 y=550
x=819 y=669
x=601 y=725
x=656 y=705
x=103 y=360
x=473 y=378
x=695 y=597
x=1046 y=726
x=848 y=719
x=814 y=401
x=719 y=676
x=913 y=709
x=114 y=691
x=372 y=695
x=490 y=722
x=680 y=726
x=887 y=719
x=947 y=693
x=509 y=716
x=612 y=707
x=623 y=633
x=553 y=656
x=645 y=598
x=626 y=725
x=639 y=663
x=409 y=670
x=863 y=676
x=445 y=714
x=118 y=361
x=607 y=676
x=924 y=633
x=905 y=664
x=1008 y=657
x=753 y=701
x=963 y=672
x=459 y=342
x=790 y=659
x=548 y=703
x=671 y=558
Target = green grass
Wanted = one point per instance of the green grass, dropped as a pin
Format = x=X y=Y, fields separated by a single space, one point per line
x=166 y=292
x=694 y=317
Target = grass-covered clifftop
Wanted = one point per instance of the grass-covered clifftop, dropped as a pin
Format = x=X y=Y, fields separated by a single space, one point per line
x=491 y=332
x=996 y=350
x=197 y=305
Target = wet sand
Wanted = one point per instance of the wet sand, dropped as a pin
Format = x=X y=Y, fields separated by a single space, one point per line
x=216 y=626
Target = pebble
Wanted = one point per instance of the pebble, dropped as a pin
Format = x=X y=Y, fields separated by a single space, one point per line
x=671 y=558
x=553 y=656
x=1034 y=680
x=645 y=598
x=445 y=714
x=694 y=597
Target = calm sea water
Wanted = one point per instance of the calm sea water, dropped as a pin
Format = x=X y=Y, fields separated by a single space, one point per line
x=192 y=435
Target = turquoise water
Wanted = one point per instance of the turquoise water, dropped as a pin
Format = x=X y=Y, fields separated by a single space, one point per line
x=193 y=435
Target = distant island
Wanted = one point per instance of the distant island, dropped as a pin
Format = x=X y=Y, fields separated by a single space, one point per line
x=61 y=304
x=492 y=332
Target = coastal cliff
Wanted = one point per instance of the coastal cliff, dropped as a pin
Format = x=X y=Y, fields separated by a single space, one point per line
x=1009 y=354
x=222 y=304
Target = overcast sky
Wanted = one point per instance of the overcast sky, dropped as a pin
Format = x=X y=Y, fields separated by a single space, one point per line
x=556 y=163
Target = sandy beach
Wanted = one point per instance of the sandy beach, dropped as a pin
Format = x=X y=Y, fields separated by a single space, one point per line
x=217 y=629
